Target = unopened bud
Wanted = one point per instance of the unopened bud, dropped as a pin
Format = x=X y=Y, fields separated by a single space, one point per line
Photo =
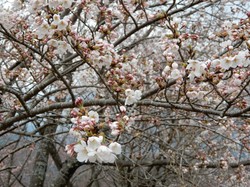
x=78 y=101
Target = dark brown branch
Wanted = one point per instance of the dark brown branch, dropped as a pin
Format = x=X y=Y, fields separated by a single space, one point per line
x=71 y=165
x=160 y=17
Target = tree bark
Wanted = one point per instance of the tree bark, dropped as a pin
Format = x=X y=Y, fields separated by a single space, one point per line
x=68 y=169
x=41 y=159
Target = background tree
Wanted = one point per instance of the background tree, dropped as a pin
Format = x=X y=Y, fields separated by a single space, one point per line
x=141 y=93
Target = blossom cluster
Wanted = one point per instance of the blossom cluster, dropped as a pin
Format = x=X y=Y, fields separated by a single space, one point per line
x=122 y=122
x=102 y=54
x=93 y=145
x=240 y=60
x=44 y=28
x=61 y=47
x=122 y=74
x=93 y=150
x=171 y=72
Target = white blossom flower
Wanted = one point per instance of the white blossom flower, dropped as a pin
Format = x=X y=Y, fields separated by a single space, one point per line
x=43 y=30
x=224 y=164
x=94 y=115
x=174 y=65
x=237 y=60
x=132 y=96
x=93 y=151
x=82 y=153
x=104 y=61
x=74 y=120
x=114 y=128
x=105 y=154
x=56 y=19
x=62 y=25
x=84 y=119
x=227 y=24
x=196 y=95
x=237 y=82
x=197 y=68
x=53 y=42
x=138 y=94
x=62 y=48
x=100 y=60
x=115 y=132
x=215 y=63
x=175 y=74
x=113 y=125
x=92 y=155
x=126 y=118
x=226 y=62
x=94 y=142
x=165 y=71
x=116 y=147
x=92 y=22
x=242 y=58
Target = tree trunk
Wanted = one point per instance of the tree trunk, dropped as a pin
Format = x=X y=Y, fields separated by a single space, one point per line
x=41 y=159
x=68 y=169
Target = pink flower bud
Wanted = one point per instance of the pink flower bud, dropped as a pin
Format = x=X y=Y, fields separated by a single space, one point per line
x=78 y=101
x=123 y=108
x=248 y=14
x=74 y=113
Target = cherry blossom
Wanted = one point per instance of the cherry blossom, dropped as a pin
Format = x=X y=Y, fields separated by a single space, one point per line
x=174 y=65
x=43 y=30
x=175 y=74
x=227 y=62
x=92 y=147
x=82 y=152
x=197 y=68
x=56 y=19
x=94 y=115
x=114 y=126
x=115 y=147
x=166 y=71
x=62 y=47
x=132 y=96
x=94 y=150
x=53 y=42
x=105 y=154
x=94 y=142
